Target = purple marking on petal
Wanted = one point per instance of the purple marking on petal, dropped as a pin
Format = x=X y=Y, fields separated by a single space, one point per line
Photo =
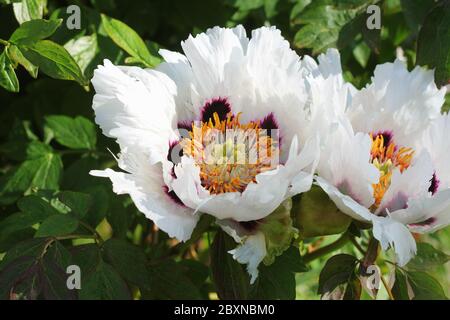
x=434 y=184
x=250 y=226
x=425 y=223
x=388 y=136
x=173 y=196
x=269 y=122
x=219 y=105
x=186 y=125
x=175 y=152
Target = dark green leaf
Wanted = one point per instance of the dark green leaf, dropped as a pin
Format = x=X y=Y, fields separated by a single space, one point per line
x=79 y=203
x=401 y=288
x=433 y=45
x=338 y=270
x=128 y=260
x=230 y=278
x=104 y=284
x=57 y=225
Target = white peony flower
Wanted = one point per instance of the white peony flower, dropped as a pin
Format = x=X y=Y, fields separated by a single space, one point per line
x=382 y=160
x=185 y=127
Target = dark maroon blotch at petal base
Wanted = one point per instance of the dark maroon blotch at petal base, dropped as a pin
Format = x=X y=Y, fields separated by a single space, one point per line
x=388 y=136
x=425 y=223
x=269 y=122
x=434 y=186
x=172 y=146
x=173 y=196
x=250 y=226
x=216 y=105
x=185 y=125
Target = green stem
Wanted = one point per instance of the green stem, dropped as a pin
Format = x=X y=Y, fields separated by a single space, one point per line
x=339 y=243
x=95 y=234
x=4 y=42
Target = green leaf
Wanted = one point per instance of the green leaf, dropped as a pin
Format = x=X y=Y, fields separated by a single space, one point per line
x=330 y=23
x=8 y=78
x=427 y=257
x=401 y=289
x=425 y=287
x=57 y=225
x=18 y=272
x=17 y=56
x=415 y=11
x=168 y=281
x=30 y=247
x=74 y=133
x=78 y=202
x=128 y=40
x=43 y=171
x=278 y=231
x=54 y=61
x=83 y=50
x=128 y=260
x=276 y=281
x=338 y=270
x=31 y=31
x=29 y=9
x=433 y=45
x=229 y=277
x=293 y=261
x=36 y=206
x=104 y=284
x=87 y=257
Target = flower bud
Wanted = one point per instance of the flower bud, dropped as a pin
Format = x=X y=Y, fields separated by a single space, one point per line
x=315 y=214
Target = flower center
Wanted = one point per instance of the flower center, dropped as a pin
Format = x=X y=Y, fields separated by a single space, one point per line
x=387 y=156
x=228 y=153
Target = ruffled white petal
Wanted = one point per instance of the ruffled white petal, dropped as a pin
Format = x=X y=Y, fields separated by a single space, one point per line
x=145 y=184
x=398 y=100
x=136 y=107
x=251 y=252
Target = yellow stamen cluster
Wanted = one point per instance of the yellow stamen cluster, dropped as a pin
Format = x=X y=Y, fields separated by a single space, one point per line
x=228 y=153
x=387 y=157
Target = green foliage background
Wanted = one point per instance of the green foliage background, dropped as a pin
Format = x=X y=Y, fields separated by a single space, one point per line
x=53 y=214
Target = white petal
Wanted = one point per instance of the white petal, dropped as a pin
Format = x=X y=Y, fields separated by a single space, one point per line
x=414 y=182
x=251 y=253
x=345 y=163
x=135 y=106
x=437 y=143
x=398 y=100
x=145 y=184
x=394 y=234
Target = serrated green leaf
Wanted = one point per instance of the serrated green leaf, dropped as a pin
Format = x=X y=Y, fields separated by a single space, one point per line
x=53 y=60
x=41 y=172
x=74 y=133
x=57 y=225
x=31 y=31
x=128 y=40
